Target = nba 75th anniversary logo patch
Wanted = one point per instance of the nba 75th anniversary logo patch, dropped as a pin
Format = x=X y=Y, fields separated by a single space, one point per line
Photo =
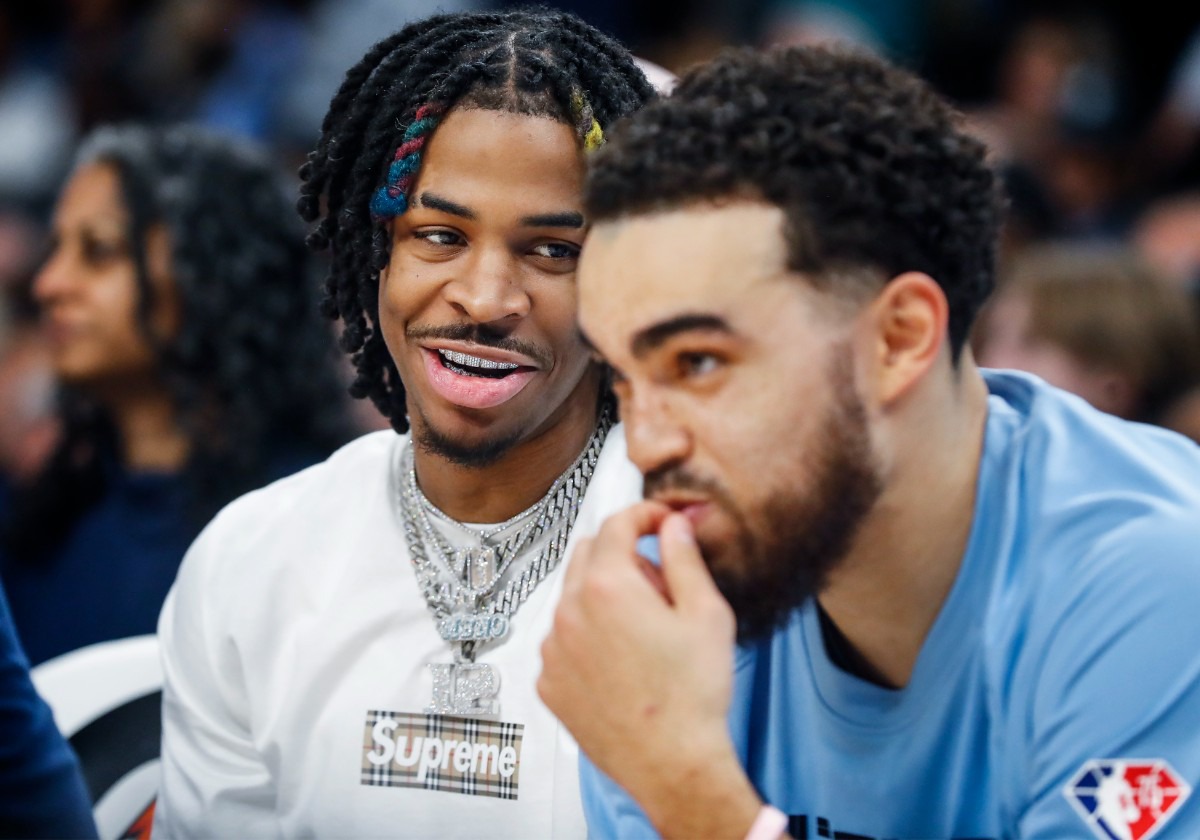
x=439 y=752
x=1126 y=798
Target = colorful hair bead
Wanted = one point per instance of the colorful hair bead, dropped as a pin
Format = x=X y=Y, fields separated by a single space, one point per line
x=391 y=199
x=593 y=134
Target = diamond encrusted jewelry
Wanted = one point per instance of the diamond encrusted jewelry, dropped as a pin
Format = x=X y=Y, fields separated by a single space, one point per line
x=462 y=586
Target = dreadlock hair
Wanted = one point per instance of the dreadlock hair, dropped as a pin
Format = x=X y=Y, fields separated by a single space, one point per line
x=532 y=60
x=252 y=372
x=870 y=167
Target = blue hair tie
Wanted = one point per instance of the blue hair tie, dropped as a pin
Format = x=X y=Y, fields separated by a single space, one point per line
x=386 y=205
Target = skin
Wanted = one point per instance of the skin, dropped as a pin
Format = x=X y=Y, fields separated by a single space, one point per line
x=491 y=243
x=641 y=658
x=88 y=294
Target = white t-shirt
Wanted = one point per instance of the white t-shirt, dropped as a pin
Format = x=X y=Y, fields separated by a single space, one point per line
x=296 y=653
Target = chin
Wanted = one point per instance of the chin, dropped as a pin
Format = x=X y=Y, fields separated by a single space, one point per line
x=480 y=448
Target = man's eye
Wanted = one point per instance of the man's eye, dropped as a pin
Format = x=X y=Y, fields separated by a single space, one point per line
x=697 y=364
x=443 y=238
x=557 y=250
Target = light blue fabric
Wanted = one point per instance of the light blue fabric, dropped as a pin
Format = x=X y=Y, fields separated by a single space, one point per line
x=1072 y=634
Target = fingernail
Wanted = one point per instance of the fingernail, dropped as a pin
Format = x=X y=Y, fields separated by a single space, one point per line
x=678 y=527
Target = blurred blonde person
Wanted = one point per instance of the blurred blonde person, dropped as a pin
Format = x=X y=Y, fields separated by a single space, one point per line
x=1099 y=322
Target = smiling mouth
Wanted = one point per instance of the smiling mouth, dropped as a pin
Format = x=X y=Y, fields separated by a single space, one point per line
x=464 y=364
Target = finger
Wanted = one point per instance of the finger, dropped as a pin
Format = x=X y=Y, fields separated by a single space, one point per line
x=654 y=574
x=689 y=581
x=616 y=541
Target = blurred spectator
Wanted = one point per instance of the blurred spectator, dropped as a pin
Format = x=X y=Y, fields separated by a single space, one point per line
x=180 y=307
x=1057 y=129
x=1167 y=233
x=225 y=64
x=1098 y=322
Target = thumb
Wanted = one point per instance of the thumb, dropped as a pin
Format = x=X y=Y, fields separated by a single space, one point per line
x=687 y=576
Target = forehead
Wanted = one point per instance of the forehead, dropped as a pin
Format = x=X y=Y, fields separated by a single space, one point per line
x=93 y=193
x=726 y=260
x=527 y=161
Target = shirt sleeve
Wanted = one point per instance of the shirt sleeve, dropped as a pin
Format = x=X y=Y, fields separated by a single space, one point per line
x=1115 y=720
x=215 y=782
x=42 y=793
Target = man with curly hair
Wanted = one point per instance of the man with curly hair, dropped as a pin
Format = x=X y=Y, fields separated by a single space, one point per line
x=899 y=596
x=353 y=652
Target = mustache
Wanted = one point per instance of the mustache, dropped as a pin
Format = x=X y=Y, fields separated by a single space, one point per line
x=666 y=479
x=482 y=335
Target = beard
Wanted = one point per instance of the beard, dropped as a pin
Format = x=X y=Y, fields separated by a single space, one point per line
x=783 y=553
x=475 y=454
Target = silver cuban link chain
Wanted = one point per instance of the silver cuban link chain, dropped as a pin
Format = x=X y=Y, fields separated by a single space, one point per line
x=460 y=585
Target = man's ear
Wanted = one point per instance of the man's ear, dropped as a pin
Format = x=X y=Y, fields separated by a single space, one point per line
x=909 y=320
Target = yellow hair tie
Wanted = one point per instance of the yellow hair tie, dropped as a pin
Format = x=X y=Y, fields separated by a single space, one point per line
x=594 y=138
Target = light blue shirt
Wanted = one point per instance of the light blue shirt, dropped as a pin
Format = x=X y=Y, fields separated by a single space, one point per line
x=1058 y=692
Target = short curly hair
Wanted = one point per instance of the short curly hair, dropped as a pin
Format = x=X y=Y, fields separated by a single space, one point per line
x=529 y=60
x=868 y=163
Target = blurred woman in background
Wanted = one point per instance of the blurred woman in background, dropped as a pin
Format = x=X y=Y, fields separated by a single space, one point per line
x=181 y=314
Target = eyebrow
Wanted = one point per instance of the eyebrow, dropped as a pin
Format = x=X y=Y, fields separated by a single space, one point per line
x=566 y=219
x=437 y=202
x=655 y=335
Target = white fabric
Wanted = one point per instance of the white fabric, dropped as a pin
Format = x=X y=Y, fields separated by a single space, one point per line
x=296 y=612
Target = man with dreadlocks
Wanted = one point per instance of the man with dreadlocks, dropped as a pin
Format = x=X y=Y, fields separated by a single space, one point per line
x=352 y=652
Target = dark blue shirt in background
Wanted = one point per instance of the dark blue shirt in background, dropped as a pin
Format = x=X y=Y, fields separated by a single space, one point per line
x=110 y=575
x=41 y=790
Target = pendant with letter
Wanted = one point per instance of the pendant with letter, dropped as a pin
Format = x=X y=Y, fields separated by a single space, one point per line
x=477 y=567
x=465 y=689
x=473 y=628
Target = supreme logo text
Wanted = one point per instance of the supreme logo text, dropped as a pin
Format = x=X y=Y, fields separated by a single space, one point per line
x=444 y=753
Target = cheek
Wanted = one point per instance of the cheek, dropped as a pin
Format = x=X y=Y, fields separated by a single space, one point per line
x=557 y=315
x=406 y=289
x=119 y=299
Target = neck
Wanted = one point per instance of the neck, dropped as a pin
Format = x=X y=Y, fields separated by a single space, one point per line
x=151 y=439
x=888 y=592
x=521 y=476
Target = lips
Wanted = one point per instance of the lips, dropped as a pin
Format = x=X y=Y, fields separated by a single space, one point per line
x=59 y=333
x=693 y=508
x=481 y=379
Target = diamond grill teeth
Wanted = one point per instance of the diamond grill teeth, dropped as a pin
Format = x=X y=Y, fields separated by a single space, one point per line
x=475 y=361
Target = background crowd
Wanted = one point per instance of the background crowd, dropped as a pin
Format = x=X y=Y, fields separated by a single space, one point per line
x=1092 y=111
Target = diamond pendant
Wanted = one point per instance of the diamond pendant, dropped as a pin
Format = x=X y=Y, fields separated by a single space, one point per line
x=477 y=567
x=464 y=689
x=473 y=628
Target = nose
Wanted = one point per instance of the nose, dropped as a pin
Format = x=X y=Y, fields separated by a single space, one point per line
x=489 y=288
x=654 y=436
x=53 y=278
